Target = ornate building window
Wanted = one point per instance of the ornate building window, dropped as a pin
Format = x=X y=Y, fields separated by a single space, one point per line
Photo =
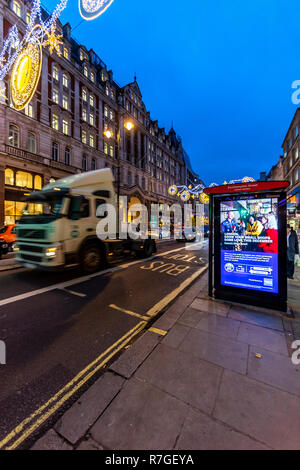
x=55 y=122
x=16 y=6
x=31 y=142
x=29 y=110
x=66 y=127
x=55 y=73
x=83 y=136
x=65 y=80
x=67 y=156
x=13 y=137
x=84 y=163
x=93 y=165
x=54 y=154
x=65 y=102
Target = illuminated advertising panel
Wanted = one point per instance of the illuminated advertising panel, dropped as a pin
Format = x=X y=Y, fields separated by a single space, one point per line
x=249 y=244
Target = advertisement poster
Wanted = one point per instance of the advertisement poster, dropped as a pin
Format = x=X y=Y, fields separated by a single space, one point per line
x=249 y=244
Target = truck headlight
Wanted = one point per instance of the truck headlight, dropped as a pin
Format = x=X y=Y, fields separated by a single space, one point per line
x=51 y=252
x=16 y=248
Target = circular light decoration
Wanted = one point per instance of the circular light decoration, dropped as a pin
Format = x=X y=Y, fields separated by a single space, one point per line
x=248 y=179
x=185 y=196
x=204 y=198
x=173 y=190
x=91 y=9
x=25 y=74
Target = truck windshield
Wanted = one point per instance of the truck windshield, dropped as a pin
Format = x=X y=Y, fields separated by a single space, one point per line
x=42 y=211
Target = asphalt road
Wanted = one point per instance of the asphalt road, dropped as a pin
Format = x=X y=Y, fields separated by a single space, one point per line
x=59 y=329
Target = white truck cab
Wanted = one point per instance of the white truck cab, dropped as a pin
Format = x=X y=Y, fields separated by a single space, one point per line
x=63 y=234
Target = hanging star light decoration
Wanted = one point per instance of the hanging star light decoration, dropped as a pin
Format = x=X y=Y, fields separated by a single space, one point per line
x=53 y=42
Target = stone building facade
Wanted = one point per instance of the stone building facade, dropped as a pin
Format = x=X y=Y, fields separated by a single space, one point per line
x=291 y=169
x=63 y=130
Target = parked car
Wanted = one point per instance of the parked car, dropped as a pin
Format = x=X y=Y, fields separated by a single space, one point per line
x=8 y=234
x=3 y=248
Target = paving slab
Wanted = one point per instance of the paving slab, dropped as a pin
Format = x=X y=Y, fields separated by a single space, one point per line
x=184 y=376
x=142 y=417
x=218 y=325
x=224 y=352
x=83 y=414
x=51 y=441
x=175 y=337
x=190 y=317
x=211 y=306
x=272 y=340
x=265 y=413
x=256 y=318
x=201 y=432
x=131 y=359
x=274 y=369
x=89 y=444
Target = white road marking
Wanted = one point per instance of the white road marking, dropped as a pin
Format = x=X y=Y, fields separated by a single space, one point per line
x=79 y=280
x=78 y=294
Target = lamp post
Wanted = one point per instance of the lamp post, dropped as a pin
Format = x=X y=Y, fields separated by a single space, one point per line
x=129 y=125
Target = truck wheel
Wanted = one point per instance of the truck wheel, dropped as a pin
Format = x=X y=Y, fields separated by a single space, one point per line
x=147 y=251
x=91 y=259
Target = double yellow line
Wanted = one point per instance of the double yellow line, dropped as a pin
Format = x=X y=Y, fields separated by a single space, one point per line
x=36 y=419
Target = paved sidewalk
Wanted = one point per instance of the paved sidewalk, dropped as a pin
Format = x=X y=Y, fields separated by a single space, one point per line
x=8 y=262
x=220 y=378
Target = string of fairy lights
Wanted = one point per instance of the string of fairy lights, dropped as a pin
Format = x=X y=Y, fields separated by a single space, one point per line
x=22 y=57
x=185 y=193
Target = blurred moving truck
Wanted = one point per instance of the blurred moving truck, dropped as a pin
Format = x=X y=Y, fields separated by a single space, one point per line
x=64 y=232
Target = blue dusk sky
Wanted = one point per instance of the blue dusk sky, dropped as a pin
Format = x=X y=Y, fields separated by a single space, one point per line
x=222 y=70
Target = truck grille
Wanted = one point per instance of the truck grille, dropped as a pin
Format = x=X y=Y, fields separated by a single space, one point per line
x=36 y=259
x=31 y=233
x=31 y=248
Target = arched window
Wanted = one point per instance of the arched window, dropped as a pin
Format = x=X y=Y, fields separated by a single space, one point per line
x=9 y=177
x=31 y=142
x=37 y=182
x=23 y=179
x=13 y=138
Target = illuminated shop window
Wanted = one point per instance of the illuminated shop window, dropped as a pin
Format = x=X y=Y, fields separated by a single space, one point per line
x=13 y=137
x=55 y=73
x=55 y=122
x=9 y=177
x=13 y=210
x=23 y=179
x=16 y=6
x=37 y=182
x=31 y=142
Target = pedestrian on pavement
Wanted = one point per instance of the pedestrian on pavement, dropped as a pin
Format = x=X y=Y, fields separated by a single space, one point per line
x=292 y=251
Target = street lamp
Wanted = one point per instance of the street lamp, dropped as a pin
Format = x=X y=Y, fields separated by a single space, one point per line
x=129 y=126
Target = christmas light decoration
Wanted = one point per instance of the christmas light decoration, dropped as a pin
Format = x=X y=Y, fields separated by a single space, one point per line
x=186 y=193
x=91 y=9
